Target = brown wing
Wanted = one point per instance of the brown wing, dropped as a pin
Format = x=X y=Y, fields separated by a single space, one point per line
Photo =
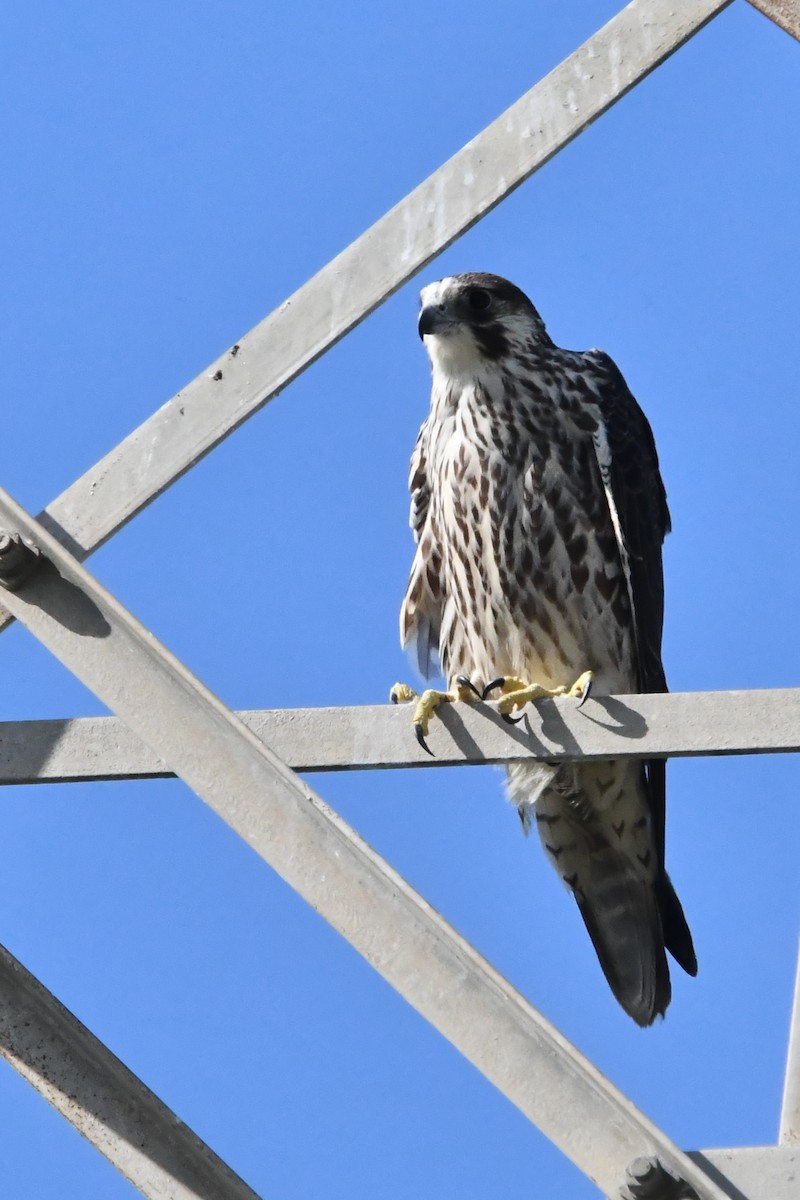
x=421 y=611
x=629 y=465
x=631 y=474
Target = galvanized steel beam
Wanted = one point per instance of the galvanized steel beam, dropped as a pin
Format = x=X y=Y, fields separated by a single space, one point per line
x=371 y=269
x=318 y=854
x=789 y=1134
x=105 y=1102
x=679 y=725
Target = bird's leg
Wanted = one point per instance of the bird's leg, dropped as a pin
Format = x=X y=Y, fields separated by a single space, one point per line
x=461 y=689
x=517 y=693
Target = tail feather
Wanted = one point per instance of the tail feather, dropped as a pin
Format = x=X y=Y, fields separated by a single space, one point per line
x=677 y=935
x=621 y=914
x=626 y=900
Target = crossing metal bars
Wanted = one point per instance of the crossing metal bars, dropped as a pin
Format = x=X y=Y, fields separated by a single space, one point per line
x=403 y=938
x=335 y=871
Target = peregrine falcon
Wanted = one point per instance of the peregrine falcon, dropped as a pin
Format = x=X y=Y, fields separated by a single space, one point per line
x=539 y=512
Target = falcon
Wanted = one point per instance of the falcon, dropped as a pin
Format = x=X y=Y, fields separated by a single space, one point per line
x=539 y=513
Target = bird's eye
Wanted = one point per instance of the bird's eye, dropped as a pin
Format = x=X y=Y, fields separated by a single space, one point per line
x=479 y=299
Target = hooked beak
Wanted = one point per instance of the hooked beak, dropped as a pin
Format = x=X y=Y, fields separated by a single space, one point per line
x=432 y=319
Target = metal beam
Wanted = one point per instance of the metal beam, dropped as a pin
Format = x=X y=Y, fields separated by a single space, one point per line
x=789 y=1134
x=371 y=269
x=105 y=1102
x=326 y=862
x=785 y=13
x=757 y=1172
x=679 y=725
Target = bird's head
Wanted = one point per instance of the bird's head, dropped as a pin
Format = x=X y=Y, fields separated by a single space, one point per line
x=470 y=321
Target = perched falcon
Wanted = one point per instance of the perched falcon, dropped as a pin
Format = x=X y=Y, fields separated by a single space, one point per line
x=539 y=512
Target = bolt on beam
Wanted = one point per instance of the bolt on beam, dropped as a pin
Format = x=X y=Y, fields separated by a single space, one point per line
x=17 y=561
x=649 y=1179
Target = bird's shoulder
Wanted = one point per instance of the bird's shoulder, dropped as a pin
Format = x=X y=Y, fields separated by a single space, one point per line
x=626 y=431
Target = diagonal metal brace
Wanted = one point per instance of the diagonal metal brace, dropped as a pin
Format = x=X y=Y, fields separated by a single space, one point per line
x=785 y=14
x=102 y=1099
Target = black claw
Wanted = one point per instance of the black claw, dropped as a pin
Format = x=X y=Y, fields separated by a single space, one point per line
x=509 y=720
x=421 y=739
x=585 y=695
x=462 y=681
x=496 y=683
x=393 y=697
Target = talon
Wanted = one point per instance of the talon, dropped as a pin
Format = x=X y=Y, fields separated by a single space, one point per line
x=467 y=683
x=581 y=688
x=509 y=720
x=490 y=687
x=420 y=732
x=461 y=689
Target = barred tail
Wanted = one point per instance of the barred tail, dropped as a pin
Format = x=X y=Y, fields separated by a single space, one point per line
x=626 y=899
x=621 y=913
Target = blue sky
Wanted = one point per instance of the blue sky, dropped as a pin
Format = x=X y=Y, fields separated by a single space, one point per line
x=170 y=174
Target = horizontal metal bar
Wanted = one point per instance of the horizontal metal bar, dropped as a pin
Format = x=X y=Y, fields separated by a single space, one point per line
x=105 y=1102
x=371 y=269
x=785 y=13
x=789 y=1134
x=757 y=1172
x=678 y=725
x=343 y=879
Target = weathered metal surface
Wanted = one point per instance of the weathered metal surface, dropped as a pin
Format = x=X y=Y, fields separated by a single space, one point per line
x=756 y=1172
x=683 y=724
x=785 y=13
x=105 y=1102
x=789 y=1134
x=372 y=268
x=318 y=854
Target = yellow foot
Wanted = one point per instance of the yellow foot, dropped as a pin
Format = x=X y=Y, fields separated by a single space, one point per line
x=517 y=693
x=461 y=689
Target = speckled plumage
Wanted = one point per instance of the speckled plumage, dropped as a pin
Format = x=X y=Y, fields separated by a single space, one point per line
x=539 y=512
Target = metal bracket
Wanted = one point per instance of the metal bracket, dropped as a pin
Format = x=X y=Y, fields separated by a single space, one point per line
x=649 y=1179
x=18 y=560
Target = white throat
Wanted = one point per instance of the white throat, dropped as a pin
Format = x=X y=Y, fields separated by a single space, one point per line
x=455 y=355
